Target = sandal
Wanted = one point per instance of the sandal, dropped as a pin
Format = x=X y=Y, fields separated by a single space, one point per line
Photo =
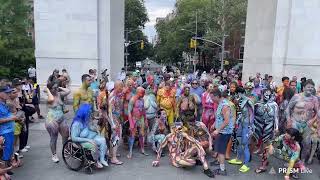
x=260 y=170
x=116 y=162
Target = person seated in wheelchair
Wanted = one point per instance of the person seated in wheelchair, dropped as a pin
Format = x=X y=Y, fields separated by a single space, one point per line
x=89 y=138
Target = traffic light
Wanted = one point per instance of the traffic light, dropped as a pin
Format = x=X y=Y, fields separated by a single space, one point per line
x=142 y=45
x=193 y=43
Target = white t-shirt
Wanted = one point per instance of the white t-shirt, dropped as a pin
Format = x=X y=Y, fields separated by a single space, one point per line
x=32 y=72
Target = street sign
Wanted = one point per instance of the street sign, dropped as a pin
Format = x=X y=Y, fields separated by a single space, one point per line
x=138 y=64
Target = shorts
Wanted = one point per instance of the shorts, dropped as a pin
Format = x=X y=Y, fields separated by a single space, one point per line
x=221 y=143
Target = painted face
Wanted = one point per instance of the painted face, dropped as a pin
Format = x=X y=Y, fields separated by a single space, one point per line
x=118 y=87
x=150 y=79
x=186 y=91
x=210 y=87
x=88 y=81
x=163 y=115
x=130 y=83
x=140 y=92
x=308 y=89
x=286 y=83
x=233 y=88
x=293 y=85
x=267 y=95
x=183 y=79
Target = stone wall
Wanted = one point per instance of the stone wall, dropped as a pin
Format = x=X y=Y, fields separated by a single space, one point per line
x=282 y=39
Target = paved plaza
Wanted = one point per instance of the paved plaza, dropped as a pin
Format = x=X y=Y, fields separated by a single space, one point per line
x=38 y=165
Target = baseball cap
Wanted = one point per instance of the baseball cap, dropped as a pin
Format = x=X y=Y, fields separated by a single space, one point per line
x=5 y=89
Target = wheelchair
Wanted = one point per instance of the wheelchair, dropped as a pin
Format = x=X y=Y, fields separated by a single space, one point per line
x=77 y=157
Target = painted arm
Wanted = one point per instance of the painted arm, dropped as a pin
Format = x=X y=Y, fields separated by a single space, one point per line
x=195 y=106
x=159 y=97
x=204 y=127
x=64 y=92
x=178 y=107
x=145 y=118
x=76 y=101
x=162 y=145
x=130 y=108
x=290 y=107
x=111 y=120
x=276 y=117
x=203 y=100
x=50 y=96
x=194 y=141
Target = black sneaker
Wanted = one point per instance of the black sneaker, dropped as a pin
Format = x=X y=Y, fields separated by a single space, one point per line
x=220 y=172
x=209 y=173
x=10 y=173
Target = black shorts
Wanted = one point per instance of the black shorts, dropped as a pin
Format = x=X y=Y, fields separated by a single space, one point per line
x=221 y=143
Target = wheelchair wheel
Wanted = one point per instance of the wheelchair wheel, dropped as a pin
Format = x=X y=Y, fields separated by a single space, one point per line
x=73 y=155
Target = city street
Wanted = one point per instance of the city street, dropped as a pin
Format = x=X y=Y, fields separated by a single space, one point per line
x=38 y=165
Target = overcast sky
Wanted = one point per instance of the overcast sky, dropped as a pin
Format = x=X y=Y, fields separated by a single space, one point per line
x=156 y=8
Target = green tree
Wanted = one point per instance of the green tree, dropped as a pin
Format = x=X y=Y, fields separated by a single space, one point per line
x=16 y=47
x=135 y=18
x=215 y=18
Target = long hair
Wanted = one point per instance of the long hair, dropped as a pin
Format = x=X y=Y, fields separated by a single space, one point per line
x=83 y=115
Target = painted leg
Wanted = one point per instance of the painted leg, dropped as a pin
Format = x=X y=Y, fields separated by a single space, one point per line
x=141 y=143
x=131 y=142
x=53 y=130
x=101 y=143
x=313 y=151
x=64 y=131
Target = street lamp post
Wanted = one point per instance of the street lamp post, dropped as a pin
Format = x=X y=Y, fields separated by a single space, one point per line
x=195 y=46
x=127 y=44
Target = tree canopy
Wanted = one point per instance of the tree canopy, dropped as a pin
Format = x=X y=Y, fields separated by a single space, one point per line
x=215 y=18
x=135 y=18
x=16 y=47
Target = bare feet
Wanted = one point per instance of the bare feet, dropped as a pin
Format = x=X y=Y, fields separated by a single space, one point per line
x=129 y=156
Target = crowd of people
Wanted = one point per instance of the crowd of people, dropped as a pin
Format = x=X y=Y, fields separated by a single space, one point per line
x=197 y=116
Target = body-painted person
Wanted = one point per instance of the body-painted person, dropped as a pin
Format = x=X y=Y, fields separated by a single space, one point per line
x=244 y=130
x=290 y=151
x=84 y=95
x=159 y=130
x=137 y=119
x=209 y=107
x=187 y=108
x=56 y=122
x=178 y=154
x=150 y=104
x=166 y=100
x=116 y=112
x=266 y=124
x=89 y=139
x=201 y=133
x=302 y=112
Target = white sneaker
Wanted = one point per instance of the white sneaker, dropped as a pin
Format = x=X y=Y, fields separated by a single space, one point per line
x=55 y=158
x=20 y=156
x=24 y=150
x=99 y=165
x=27 y=147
